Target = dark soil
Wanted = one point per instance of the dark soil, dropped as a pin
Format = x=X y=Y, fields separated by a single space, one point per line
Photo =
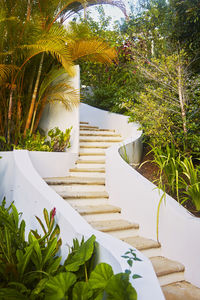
x=150 y=170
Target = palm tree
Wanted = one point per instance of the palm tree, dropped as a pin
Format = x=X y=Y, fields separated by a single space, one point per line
x=37 y=42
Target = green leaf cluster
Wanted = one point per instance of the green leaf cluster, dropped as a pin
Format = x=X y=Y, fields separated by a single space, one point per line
x=32 y=269
x=55 y=141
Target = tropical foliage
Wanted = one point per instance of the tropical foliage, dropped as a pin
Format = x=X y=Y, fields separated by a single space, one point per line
x=156 y=82
x=37 y=56
x=32 y=269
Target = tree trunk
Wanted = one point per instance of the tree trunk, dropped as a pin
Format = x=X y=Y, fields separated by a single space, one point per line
x=28 y=10
x=40 y=113
x=182 y=98
x=9 y=115
x=31 y=109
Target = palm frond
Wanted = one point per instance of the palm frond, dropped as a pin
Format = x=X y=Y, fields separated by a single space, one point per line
x=64 y=93
x=54 y=74
x=93 y=50
x=5 y=71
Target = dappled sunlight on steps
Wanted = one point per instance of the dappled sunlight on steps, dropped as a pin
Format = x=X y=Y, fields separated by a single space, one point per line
x=84 y=189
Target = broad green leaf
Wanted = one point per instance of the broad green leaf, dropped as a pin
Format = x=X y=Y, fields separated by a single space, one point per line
x=11 y=294
x=57 y=287
x=15 y=215
x=25 y=260
x=83 y=254
x=41 y=224
x=136 y=276
x=119 y=288
x=40 y=286
x=46 y=217
x=50 y=250
x=81 y=291
x=54 y=265
x=100 y=276
x=22 y=230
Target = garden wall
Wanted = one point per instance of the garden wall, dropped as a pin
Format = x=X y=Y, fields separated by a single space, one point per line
x=139 y=198
x=56 y=115
x=31 y=194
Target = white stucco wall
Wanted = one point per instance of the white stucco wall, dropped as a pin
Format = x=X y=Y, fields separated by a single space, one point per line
x=56 y=115
x=31 y=194
x=139 y=198
x=105 y=119
x=52 y=164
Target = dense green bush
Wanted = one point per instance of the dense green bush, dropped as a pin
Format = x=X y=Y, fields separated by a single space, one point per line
x=55 y=141
x=32 y=269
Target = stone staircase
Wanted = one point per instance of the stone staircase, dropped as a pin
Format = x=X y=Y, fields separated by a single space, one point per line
x=84 y=189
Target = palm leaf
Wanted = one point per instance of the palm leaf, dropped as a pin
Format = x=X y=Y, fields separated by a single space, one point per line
x=93 y=50
x=64 y=93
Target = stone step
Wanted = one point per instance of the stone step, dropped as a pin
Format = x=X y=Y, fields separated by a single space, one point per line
x=95 y=146
x=96 y=209
x=95 y=129
x=93 y=170
x=83 y=195
x=96 y=158
x=87 y=161
x=167 y=271
x=113 y=225
x=84 y=122
x=90 y=153
x=181 y=291
x=88 y=127
x=88 y=201
x=95 y=139
x=88 y=166
x=68 y=188
x=88 y=174
x=147 y=246
x=98 y=134
x=74 y=180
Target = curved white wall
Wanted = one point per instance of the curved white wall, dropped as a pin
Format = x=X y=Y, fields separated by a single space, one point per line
x=56 y=115
x=31 y=194
x=139 y=198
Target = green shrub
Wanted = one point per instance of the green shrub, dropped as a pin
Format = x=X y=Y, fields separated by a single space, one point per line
x=32 y=269
x=56 y=141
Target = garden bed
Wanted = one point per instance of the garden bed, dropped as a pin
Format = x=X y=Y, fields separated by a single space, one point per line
x=150 y=170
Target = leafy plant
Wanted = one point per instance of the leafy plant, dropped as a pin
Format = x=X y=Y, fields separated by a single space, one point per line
x=59 y=140
x=55 y=141
x=190 y=182
x=32 y=269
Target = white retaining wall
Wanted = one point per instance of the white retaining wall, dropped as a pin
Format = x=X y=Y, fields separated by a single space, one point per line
x=56 y=115
x=139 y=198
x=31 y=194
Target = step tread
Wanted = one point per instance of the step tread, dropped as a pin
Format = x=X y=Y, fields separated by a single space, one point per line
x=96 y=209
x=74 y=180
x=94 y=128
x=88 y=127
x=101 y=134
x=81 y=122
x=99 y=170
x=100 y=140
x=113 y=225
x=164 y=266
x=92 y=154
x=85 y=161
x=83 y=195
x=141 y=243
x=180 y=291
x=95 y=146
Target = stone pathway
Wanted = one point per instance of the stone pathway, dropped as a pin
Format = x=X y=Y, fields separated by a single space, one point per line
x=84 y=189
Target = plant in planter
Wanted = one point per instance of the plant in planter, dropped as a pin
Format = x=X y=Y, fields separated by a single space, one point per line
x=32 y=269
x=55 y=141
